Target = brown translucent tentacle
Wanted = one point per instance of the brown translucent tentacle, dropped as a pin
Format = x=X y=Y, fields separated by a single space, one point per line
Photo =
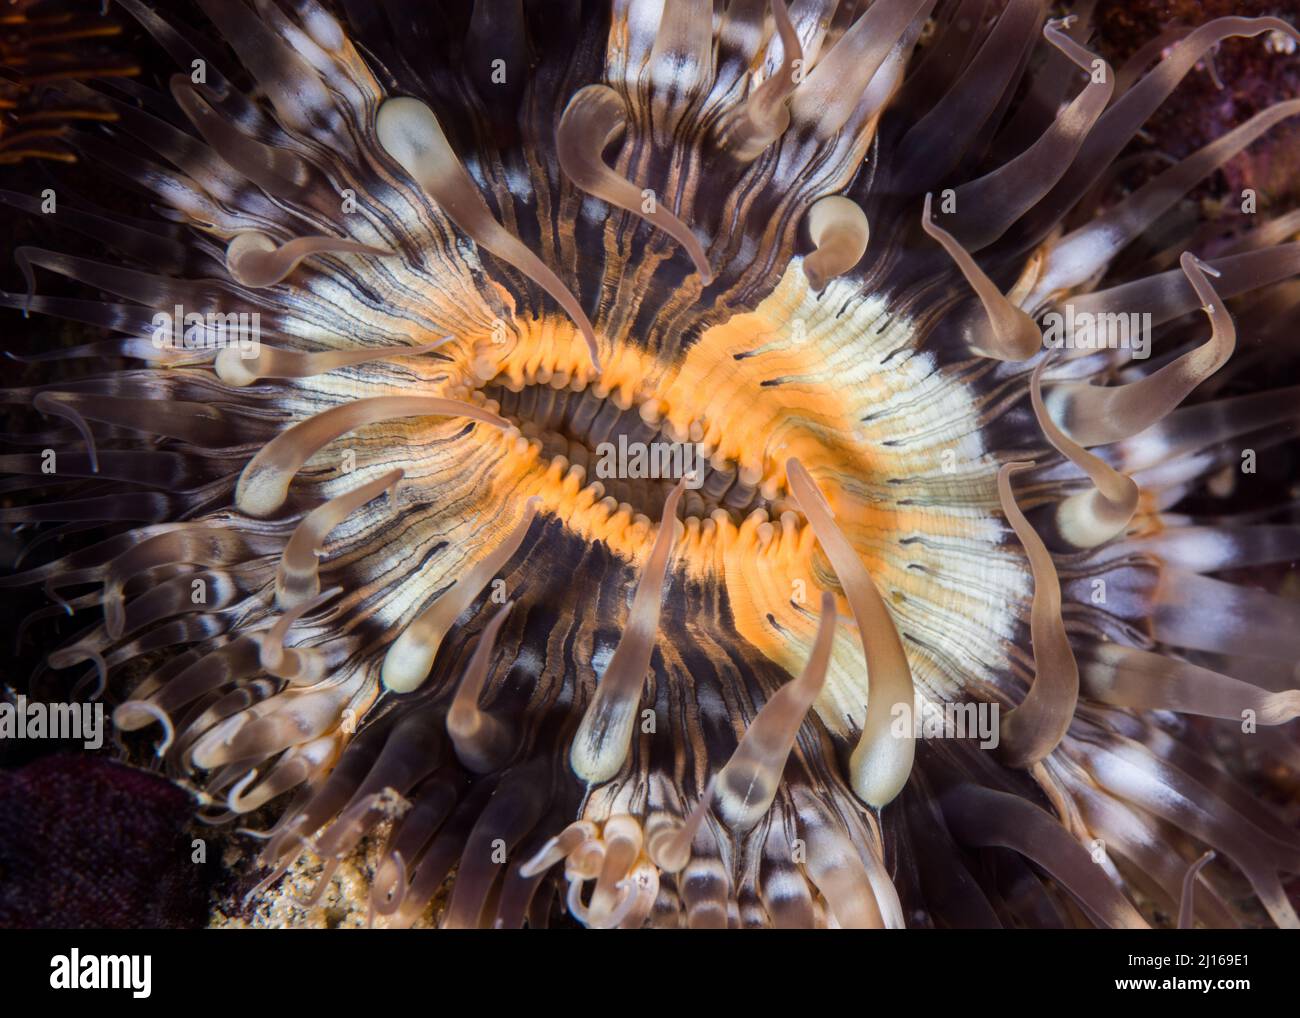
x=1167 y=295
x=605 y=733
x=839 y=231
x=668 y=843
x=264 y=483
x=254 y=259
x=276 y=170
x=1129 y=770
x=749 y=781
x=611 y=897
x=1080 y=255
x=834 y=866
x=882 y=759
x=307 y=715
x=765 y=114
x=828 y=95
x=1092 y=517
x=297 y=93
x=509 y=816
x=300 y=667
x=241 y=367
x=935 y=144
x=1141 y=679
x=53 y=403
x=1033 y=729
x=1276 y=231
x=409 y=659
x=1147 y=54
x=1245 y=620
x=982 y=816
x=1187 y=904
x=783 y=888
x=560 y=847
x=1009 y=333
x=482 y=742
x=205 y=544
x=988 y=206
x=298 y=766
x=1127 y=113
x=298 y=577
x=594 y=117
x=1096 y=415
x=681 y=58
x=412 y=136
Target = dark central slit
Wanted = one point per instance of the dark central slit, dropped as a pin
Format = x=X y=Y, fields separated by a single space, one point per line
x=606 y=441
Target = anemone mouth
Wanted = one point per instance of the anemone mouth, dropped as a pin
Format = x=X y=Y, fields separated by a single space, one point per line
x=635 y=455
x=653 y=434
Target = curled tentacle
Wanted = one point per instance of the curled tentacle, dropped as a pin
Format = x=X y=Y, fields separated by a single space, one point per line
x=297 y=579
x=668 y=841
x=300 y=667
x=1187 y=905
x=989 y=205
x=1030 y=731
x=594 y=117
x=1008 y=334
x=254 y=259
x=1093 y=517
x=839 y=232
x=412 y=136
x=1095 y=415
x=264 y=484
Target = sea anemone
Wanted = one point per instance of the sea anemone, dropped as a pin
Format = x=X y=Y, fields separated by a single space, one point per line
x=657 y=461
